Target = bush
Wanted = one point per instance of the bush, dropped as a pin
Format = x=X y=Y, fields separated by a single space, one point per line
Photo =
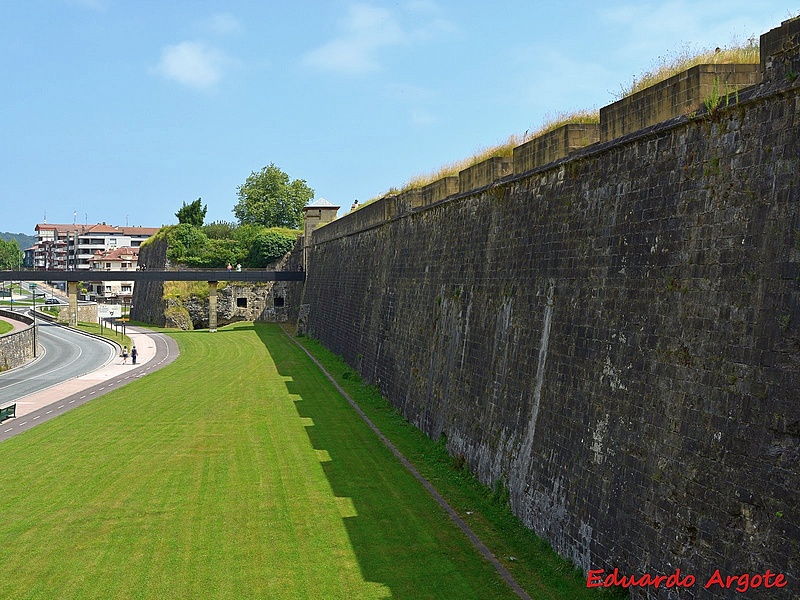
x=269 y=246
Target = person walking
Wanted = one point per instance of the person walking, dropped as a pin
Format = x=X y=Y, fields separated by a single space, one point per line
x=134 y=354
x=124 y=355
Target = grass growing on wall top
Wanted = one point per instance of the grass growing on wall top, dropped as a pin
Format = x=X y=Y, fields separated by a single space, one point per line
x=665 y=67
x=503 y=149
x=681 y=60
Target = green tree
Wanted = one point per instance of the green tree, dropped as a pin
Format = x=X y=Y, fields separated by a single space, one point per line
x=270 y=245
x=220 y=230
x=10 y=255
x=268 y=198
x=193 y=213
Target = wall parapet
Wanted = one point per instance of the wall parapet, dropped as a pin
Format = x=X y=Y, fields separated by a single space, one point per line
x=554 y=145
x=16 y=348
x=679 y=95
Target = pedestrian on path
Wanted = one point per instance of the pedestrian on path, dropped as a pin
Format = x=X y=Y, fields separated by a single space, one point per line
x=124 y=355
x=134 y=354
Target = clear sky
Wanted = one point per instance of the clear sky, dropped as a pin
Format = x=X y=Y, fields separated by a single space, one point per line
x=119 y=111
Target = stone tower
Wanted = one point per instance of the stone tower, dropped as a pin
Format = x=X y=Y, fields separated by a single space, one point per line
x=317 y=213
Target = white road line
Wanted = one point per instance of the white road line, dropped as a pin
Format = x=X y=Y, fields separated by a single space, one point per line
x=7 y=430
x=23 y=423
x=71 y=401
x=48 y=412
x=62 y=406
x=36 y=417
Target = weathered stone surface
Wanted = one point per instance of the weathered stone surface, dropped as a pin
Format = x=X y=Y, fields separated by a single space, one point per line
x=148 y=296
x=16 y=347
x=272 y=301
x=616 y=339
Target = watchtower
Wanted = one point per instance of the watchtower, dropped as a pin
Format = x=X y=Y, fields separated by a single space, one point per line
x=317 y=213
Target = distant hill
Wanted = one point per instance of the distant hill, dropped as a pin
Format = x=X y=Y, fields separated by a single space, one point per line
x=24 y=241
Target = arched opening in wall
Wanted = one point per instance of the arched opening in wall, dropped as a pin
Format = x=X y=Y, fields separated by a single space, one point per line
x=277 y=302
x=241 y=302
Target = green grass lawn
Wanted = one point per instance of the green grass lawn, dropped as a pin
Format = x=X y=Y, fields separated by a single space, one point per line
x=5 y=327
x=107 y=332
x=532 y=562
x=236 y=472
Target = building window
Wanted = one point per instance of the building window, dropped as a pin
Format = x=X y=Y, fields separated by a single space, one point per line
x=277 y=301
x=241 y=302
x=126 y=288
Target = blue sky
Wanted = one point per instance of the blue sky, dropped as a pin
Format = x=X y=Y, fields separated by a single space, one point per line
x=120 y=111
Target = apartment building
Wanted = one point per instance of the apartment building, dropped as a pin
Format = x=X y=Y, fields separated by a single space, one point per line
x=72 y=247
x=111 y=292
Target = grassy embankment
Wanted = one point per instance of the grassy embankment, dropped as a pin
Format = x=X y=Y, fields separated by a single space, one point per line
x=236 y=472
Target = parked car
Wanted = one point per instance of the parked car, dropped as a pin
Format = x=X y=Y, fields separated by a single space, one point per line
x=52 y=301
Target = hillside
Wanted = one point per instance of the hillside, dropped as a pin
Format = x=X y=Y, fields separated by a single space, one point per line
x=24 y=241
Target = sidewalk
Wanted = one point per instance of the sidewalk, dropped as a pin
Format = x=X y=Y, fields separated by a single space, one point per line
x=147 y=350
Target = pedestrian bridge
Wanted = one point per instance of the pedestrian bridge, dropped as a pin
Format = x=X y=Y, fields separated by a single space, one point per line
x=212 y=276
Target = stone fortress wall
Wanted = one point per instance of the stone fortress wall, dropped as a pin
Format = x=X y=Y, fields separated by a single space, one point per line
x=16 y=347
x=274 y=301
x=608 y=324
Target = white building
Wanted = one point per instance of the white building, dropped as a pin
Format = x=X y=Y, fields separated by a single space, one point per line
x=72 y=247
x=111 y=292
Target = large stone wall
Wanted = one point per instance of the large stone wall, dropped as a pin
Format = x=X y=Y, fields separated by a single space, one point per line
x=16 y=348
x=615 y=337
x=276 y=301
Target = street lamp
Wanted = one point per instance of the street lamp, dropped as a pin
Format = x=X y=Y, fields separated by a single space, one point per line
x=32 y=287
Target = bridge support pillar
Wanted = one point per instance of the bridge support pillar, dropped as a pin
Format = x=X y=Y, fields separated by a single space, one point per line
x=212 y=306
x=72 y=297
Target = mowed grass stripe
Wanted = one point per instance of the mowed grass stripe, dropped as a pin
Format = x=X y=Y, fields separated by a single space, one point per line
x=205 y=480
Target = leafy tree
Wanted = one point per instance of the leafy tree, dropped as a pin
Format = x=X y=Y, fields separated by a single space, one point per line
x=220 y=230
x=10 y=255
x=268 y=198
x=185 y=240
x=192 y=214
x=270 y=245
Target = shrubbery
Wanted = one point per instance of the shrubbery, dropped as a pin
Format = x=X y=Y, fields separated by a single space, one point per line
x=220 y=243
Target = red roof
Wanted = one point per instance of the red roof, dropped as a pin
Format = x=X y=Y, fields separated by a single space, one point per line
x=122 y=253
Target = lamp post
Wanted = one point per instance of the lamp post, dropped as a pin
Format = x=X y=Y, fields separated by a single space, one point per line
x=32 y=287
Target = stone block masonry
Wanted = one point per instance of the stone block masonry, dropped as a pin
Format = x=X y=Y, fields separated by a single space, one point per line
x=16 y=348
x=614 y=337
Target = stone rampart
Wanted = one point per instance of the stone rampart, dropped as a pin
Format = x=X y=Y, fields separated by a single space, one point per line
x=16 y=348
x=614 y=337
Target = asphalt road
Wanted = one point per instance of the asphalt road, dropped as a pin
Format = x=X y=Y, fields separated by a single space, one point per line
x=165 y=350
x=66 y=354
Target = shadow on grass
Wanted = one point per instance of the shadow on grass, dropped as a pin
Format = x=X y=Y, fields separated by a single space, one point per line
x=395 y=528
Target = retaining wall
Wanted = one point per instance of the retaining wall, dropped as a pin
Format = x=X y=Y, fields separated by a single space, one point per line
x=16 y=348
